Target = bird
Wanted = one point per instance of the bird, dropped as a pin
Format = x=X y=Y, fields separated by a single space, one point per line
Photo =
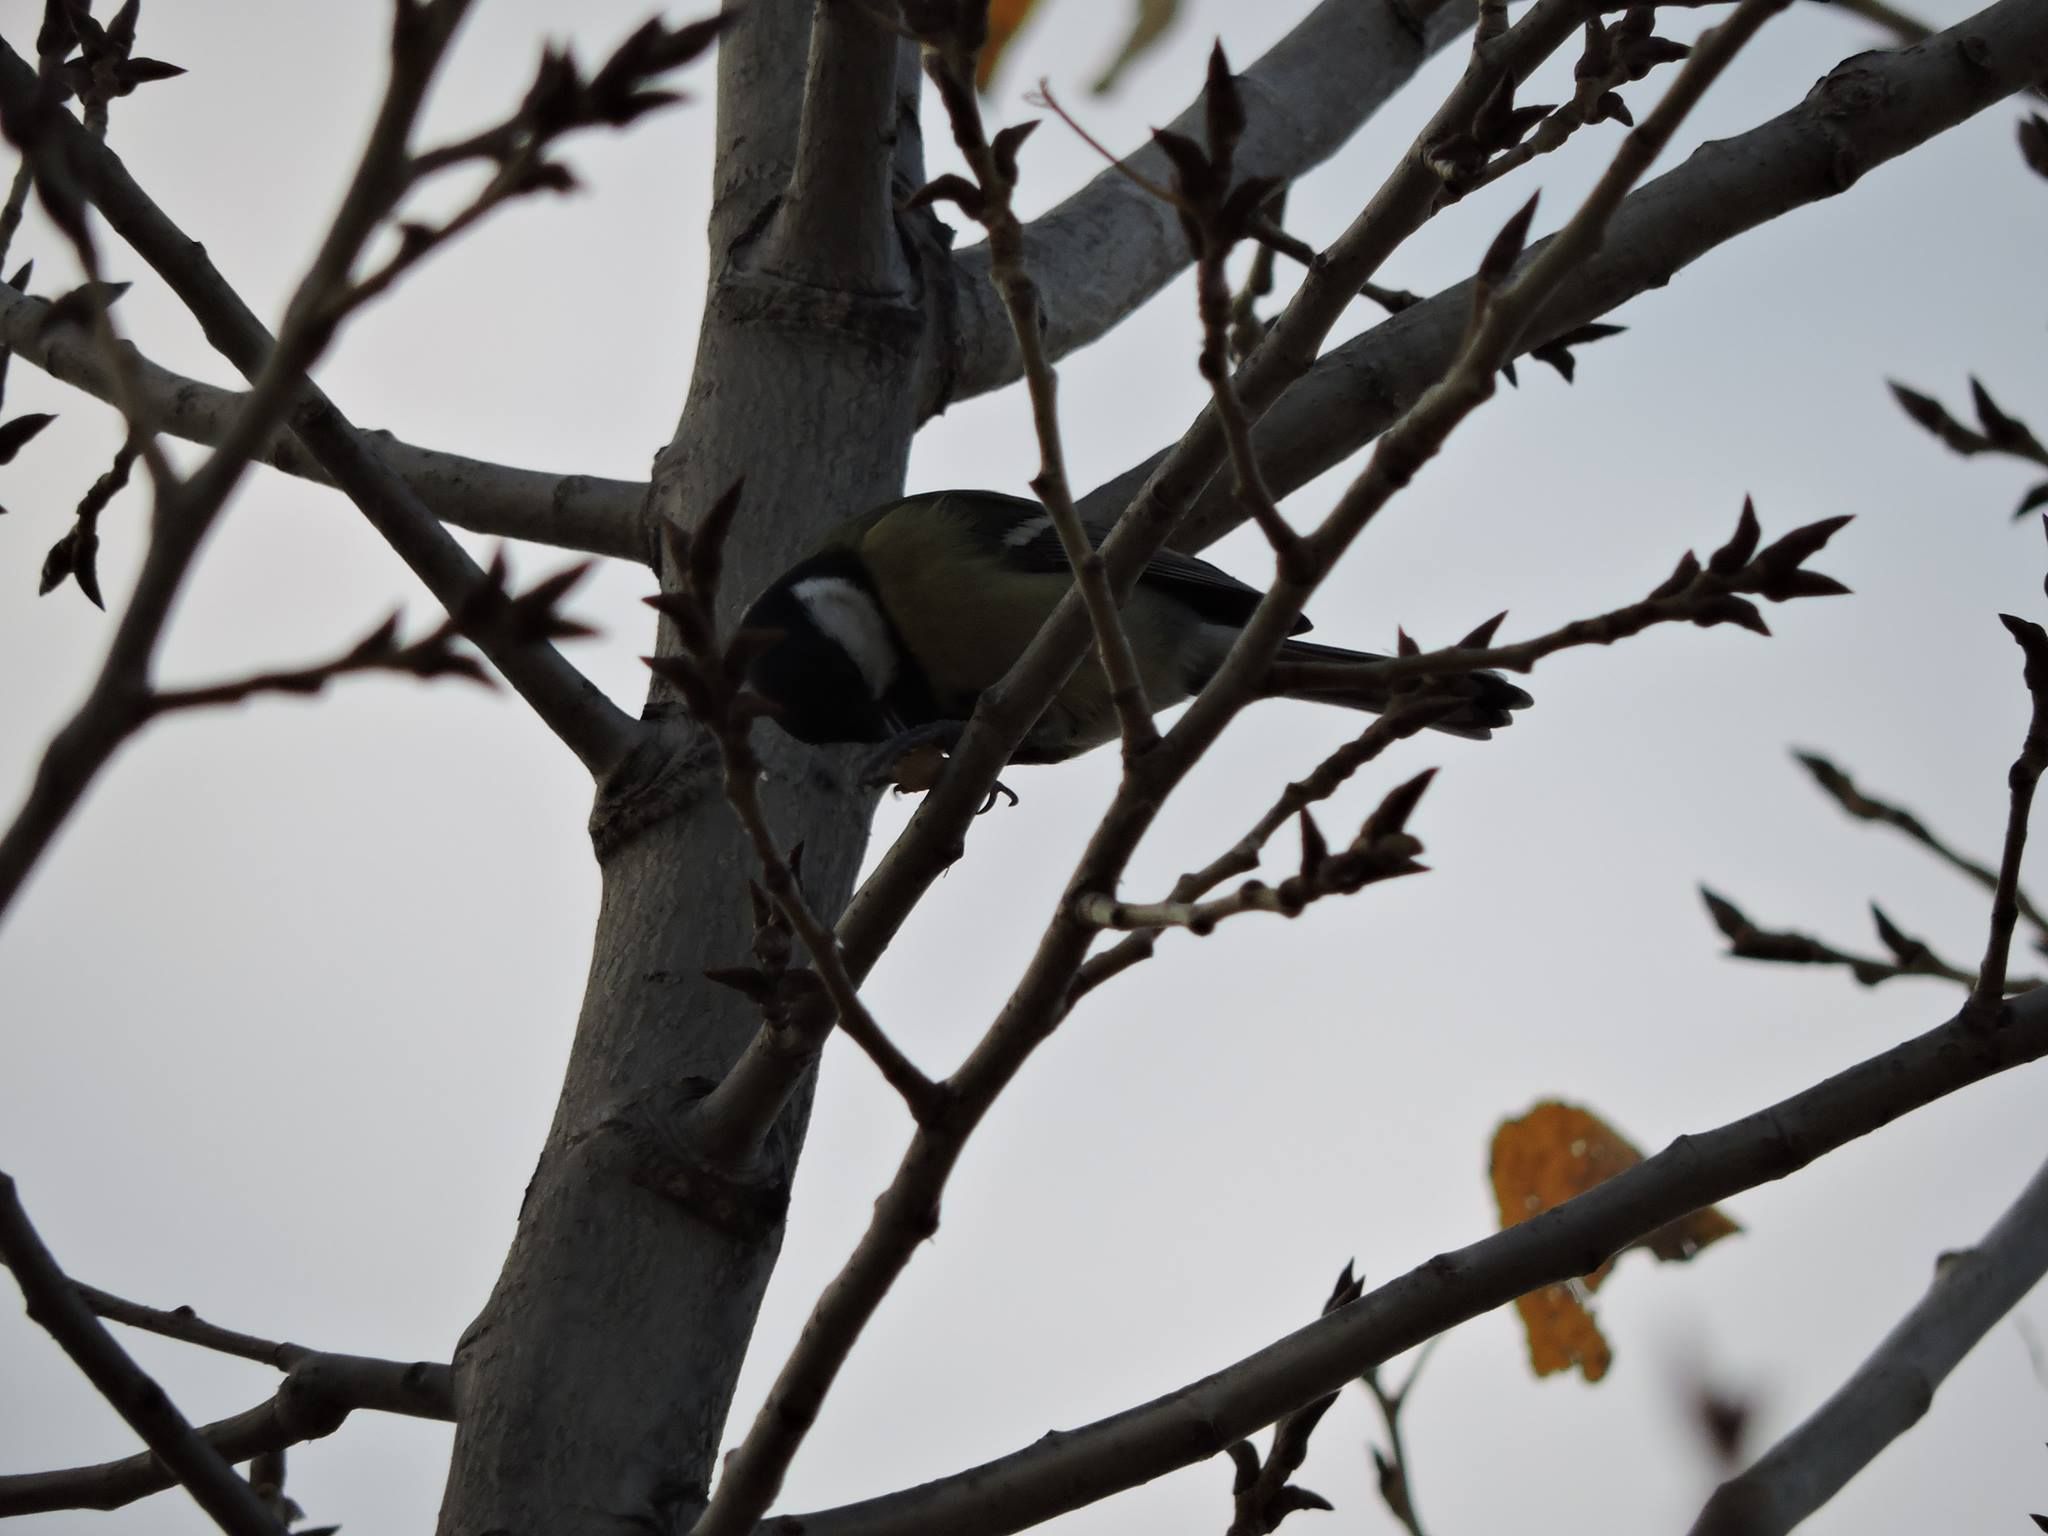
x=892 y=627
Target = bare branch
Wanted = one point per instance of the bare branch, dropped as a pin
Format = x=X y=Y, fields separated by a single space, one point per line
x=1910 y=956
x=1866 y=111
x=2024 y=779
x=1867 y=807
x=907 y=1212
x=57 y=1306
x=581 y=512
x=1078 y=1467
x=837 y=218
x=951 y=68
x=711 y=677
x=1895 y=1386
x=317 y=1394
x=591 y=725
x=1303 y=99
x=1007 y=711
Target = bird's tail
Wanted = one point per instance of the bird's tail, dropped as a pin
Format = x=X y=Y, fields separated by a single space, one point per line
x=1328 y=674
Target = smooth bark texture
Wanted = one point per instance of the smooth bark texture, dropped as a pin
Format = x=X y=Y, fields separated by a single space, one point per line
x=1893 y=1389
x=593 y=1390
x=1112 y=245
x=586 y=512
x=1867 y=110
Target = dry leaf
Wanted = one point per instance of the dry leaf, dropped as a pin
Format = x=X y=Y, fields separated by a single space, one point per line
x=1552 y=1153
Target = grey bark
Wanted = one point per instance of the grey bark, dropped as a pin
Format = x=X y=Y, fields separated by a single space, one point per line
x=1112 y=245
x=1867 y=110
x=1892 y=1390
x=592 y=1391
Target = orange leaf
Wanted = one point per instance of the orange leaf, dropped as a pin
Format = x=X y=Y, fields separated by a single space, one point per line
x=1004 y=18
x=1562 y=1334
x=1552 y=1153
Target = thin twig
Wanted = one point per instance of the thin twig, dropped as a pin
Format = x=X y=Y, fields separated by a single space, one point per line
x=2025 y=777
x=1862 y=805
x=314 y=1399
x=1079 y=1467
x=1910 y=956
x=995 y=170
x=711 y=678
x=55 y=1304
x=1397 y=1485
x=907 y=1212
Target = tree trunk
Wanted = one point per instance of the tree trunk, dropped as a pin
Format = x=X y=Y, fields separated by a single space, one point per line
x=593 y=1389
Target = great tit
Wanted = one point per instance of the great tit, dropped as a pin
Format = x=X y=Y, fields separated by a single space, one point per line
x=891 y=628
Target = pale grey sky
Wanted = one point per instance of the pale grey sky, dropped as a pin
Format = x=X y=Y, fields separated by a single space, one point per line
x=286 y=1006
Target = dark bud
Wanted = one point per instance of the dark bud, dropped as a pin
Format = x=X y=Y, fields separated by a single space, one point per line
x=1684 y=575
x=2002 y=430
x=2037 y=497
x=1730 y=609
x=707 y=548
x=1727 y=916
x=1929 y=413
x=1796 y=583
x=1405 y=644
x=1734 y=555
x=1004 y=148
x=1506 y=250
x=1293 y=1498
x=1315 y=849
x=378 y=645
x=130 y=73
x=1349 y=1287
x=1611 y=108
x=120 y=34
x=81 y=304
x=1598 y=58
x=1482 y=637
x=1193 y=175
x=56 y=37
x=750 y=983
x=950 y=189
x=1223 y=108
x=1801 y=544
x=19 y=282
x=1242 y=207
x=1907 y=949
x=1640 y=57
x=16 y=434
x=1557 y=352
x=2034 y=144
x=1394 y=811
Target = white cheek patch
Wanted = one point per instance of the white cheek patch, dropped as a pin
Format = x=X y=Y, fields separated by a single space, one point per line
x=1027 y=530
x=849 y=618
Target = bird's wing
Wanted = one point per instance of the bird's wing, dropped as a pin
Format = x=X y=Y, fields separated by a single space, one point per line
x=1030 y=542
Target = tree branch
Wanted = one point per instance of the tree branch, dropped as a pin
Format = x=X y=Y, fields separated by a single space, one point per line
x=581 y=512
x=317 y=1394
x=57 y=1306
x=907 y=1212
x=586 y=721
x=1869 y=109
x=1112 y=245
x=838 y=218
x=1145 y=516
x=1893 y=1389
x=1075 y=1468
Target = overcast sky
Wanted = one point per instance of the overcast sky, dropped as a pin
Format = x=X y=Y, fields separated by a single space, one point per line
x=286 y=1007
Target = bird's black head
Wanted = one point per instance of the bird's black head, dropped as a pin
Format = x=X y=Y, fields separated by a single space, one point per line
x=834 y=656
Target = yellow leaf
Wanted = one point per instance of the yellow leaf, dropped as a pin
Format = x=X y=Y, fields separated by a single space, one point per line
x=1552 y=1153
